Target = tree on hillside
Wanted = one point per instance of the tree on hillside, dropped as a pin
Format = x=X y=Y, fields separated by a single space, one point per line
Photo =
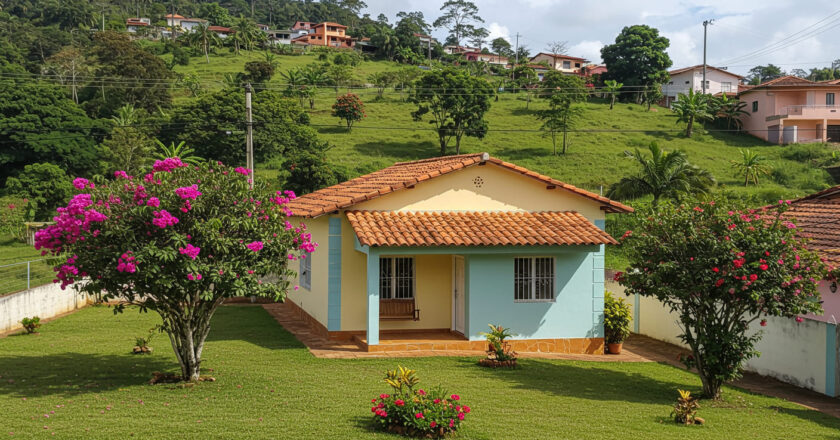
x=340 y=75
x=349 y=108
x=246 y=34
x=179 y=247
x=722 y=270
x=664 y=174
x=314 y=77
x=638 y=58
x=501 y=46
x=203 y=38
x=381 y=80
x=750 y=166
x=560 y=117
x=693 y=107
x=478 y=37
x=39 y=123
x=652 y=93
x=213 y=124
x=305 y=171
x=458 y=17
x=135 y=76
x=45 y=185
x=760 y=74
x=258 y=72
x=611 y=87
x=523 y=53
x=128 y=147
x=572 y=87
x=457 y=103
x=215 y=14
x=69 y=65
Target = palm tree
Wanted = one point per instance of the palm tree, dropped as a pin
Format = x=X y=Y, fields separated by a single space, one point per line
x=293 y=77
x=126 y=116
x=233 y=80
x=663 y=174
x=201 y=36
x=612 y=87
x=732 y=110
x=313 y=76
x=181 y=151
x=271 y=60
x=692 y=107
x=751 y=166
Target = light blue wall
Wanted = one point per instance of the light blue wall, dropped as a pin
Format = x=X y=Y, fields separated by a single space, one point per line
x=576 y=312
x=334 y=275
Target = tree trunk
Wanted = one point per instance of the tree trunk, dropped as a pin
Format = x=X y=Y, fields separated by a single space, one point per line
x=206 y=54
x=458 y=143
x=564 y=141
x=442 y=140
x=187 y=333
x=612 y=101
x=690 y=125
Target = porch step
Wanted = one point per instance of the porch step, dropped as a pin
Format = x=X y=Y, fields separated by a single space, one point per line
x=420 y=342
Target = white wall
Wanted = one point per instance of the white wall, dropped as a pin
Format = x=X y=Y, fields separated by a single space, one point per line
x=45 y=301
x=695 y=81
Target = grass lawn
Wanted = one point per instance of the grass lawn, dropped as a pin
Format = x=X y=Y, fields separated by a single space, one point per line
x=13 y=276
x=78 y=372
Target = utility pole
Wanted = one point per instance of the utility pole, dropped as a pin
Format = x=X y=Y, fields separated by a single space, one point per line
x=516 y=55
x=430 y=51
x=103 y=18
x=249 y=136
x=706 y=24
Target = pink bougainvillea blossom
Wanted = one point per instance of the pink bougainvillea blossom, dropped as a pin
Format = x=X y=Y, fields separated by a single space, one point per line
x=188 y=192
x=163 y=219
x=126 y=263
x=190 y=251
x=121 y=174
x=82 y=183
x=255 y=246
x=168 y=164
x=153 y=201
x=243 y=171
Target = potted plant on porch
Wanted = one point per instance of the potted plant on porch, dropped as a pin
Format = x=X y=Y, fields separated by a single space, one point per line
x=499 y=353
x=616 y=322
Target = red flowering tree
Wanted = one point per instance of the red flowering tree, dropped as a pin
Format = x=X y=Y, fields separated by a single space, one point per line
x=178 y=241
x=350 y=108
x=720 y=269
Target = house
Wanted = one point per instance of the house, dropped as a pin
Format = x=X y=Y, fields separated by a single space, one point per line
x=325 y=34
x=186 y=24
x=489 y=58
x=280 y=36
x=563 y=63
x=792 y=110
x=452 y=50
x=691 y=78
x=221 y=31
x=593 y=69
x=426 y=40
x=450 y=244
x=540 y=70
x=302 y=25
x=134 y=24
x=263 y=27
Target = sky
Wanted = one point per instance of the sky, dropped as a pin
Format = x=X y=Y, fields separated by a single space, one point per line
x=743 y=34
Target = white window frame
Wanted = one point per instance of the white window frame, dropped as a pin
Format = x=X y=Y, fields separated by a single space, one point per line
x=567 y=64
x=393 y=277
x=305 y=274
x=726 y=87
x=533 y=279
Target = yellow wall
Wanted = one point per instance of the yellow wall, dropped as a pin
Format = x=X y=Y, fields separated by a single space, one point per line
x=314 y=301
x=501 y=190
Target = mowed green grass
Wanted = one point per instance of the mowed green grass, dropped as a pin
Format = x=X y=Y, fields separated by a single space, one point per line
x=78 y=371
x=13 y=271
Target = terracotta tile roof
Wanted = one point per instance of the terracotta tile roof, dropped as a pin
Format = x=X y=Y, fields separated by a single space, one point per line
x=558 y=56
x=386 y=228
x=700 y=66
x=817 y=217
x=407 y=174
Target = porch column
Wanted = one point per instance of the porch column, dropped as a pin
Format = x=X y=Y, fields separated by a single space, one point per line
x=372 y=335
x=824 y=131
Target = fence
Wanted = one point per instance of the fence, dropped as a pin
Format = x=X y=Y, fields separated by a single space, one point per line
x=805 y=354
x=24 y=275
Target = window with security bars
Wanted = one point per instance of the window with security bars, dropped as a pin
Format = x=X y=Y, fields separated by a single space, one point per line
x=305 y=273
x=533 y=279
x=396 y=278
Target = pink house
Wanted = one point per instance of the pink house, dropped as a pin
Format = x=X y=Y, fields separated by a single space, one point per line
x=817 y=217
x=790 y=110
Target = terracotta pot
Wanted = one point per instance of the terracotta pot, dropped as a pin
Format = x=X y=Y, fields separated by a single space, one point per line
x=615 y=348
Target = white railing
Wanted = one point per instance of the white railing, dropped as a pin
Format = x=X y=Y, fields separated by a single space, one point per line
x=25 y=275
x=811 y=110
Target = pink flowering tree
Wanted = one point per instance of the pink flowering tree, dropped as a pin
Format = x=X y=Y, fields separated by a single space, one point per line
x=720 y=269
x=177 y=241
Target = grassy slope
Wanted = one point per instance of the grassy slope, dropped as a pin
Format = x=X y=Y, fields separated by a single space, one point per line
x=13 y=277
x=270 y=387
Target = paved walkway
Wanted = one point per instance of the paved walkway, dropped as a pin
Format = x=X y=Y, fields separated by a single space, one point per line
x=637 y=349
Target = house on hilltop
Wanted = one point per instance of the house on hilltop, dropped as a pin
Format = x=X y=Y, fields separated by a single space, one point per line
x=691 y=78
x=563 y=63
x=792 y=110
x=441 y=247
x=325 y=34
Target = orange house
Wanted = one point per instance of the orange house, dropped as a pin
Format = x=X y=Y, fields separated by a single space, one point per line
x=326 y=34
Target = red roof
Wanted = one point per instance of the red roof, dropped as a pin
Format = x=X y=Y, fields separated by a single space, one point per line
x=378 y=228
x=220 y=29
x=173 y=16
x=700 y=66
x=557 y=55
x=130 y=22
x=329 y=23
x=789 y=81
x=407 y=174
x=817 y=218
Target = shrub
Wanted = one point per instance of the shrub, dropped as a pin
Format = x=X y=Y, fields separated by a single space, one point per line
x=258 y=72
x=350 y=108
x=497 y=345
x=13 y=212
x=616 y=319
x=31 y=324
x=417 y=413
x=685 y=410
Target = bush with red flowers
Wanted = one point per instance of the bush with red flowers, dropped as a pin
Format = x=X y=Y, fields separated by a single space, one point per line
x=720 y=268
x=414 y=412
x=350 y=108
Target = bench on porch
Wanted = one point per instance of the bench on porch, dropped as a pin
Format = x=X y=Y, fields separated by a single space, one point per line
x=398 y=309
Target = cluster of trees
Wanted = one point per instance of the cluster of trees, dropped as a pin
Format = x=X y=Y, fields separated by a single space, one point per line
x=694 y=108
x=760 y=74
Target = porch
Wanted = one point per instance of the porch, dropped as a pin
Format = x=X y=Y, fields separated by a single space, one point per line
x=802 y=129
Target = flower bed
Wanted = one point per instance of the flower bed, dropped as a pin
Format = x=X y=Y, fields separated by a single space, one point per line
x=417 y=413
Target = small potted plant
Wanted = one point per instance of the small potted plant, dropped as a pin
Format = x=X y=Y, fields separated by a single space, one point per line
x=499 y=353
x=616 y=322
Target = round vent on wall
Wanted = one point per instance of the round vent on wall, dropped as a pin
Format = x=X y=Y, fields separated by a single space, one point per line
x=478 y=182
